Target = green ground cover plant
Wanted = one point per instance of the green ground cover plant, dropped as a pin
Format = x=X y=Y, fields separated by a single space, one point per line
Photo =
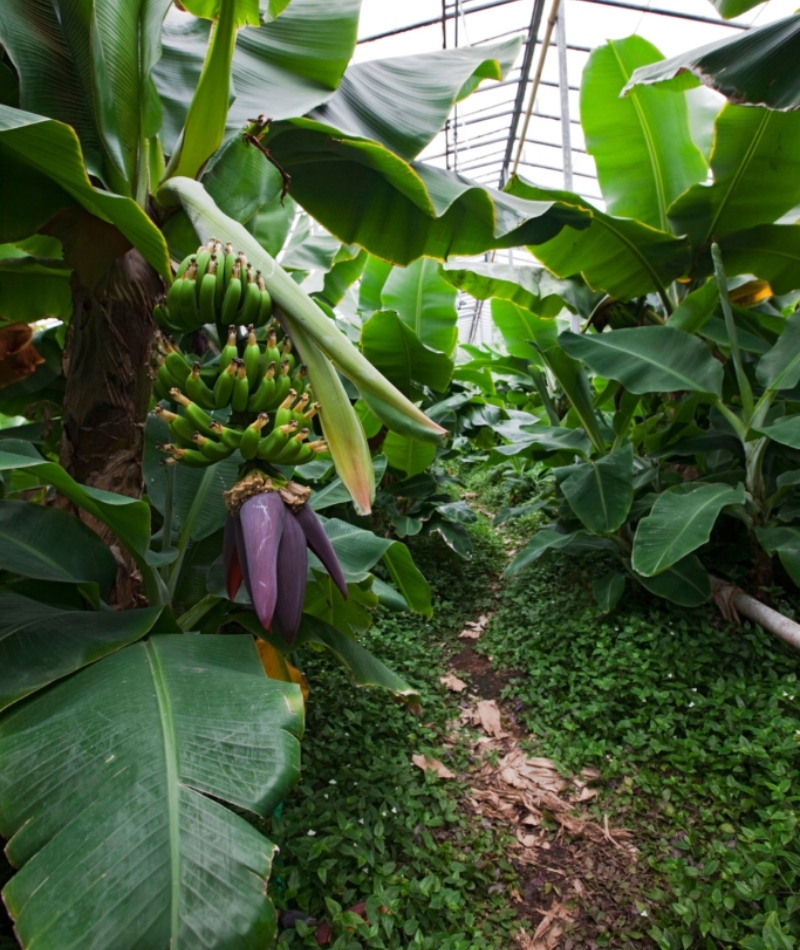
x=694 y=725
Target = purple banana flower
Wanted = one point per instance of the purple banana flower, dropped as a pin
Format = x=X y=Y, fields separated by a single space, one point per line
x=265 y=546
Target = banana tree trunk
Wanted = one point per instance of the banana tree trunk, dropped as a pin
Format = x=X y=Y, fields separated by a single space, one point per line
x=107 y=368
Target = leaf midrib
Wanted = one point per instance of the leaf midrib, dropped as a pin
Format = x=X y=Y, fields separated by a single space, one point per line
x=653 y=362
x=171 y=775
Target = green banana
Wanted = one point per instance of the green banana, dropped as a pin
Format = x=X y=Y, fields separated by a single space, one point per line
x=190 y=457
x=261 y=398
x=283 y=385
x=269 y=446
x=309 y=451
x=286 y=352
x=251 y=437
x=208 y=289
x=223 y=387
x=299 y=379
x=212 y=450
x=230 y=351
x=273 y=354
x=284 y=411
x=197 y=390
x=291 y=450
x=223 y=274
x=179 y=426
x=252 y=299
x=160 y=391
x=265 y=304
x=299 y=408
x=176 y=362
x=315 y=408
x=203 y=259
x=180 y=299
x=252 y=356
x=200 y=420
x=232 y=438
x=232 y=298
x=191 y=259
x=241 y=388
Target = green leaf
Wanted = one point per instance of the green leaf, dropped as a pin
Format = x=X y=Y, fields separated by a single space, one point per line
x=324 y=600
x=335 y=493
x=755 y=67
x=641 y=144
x=780 y=367
x=241 y=182
x=679 y=522
x=407 y=455
x=785 y=542
x=696 y=308
x=622 y=257
x=785 y=430
x=403 y=102
x=601 y=492
x=544 y=540
x=769 y=251
x=111 y=829
x=756 y=175
x=366 y=669
x=40 y=643
x=33 y=289
x=128 y=518
x=575 y=383
x=648 y=359
x=43 y=171
x=728 y=9
x=284 y=68
x=529 y=288
x=90 y=68
x=373 y=280
x=408 y=579
x=608 y=590
x=244 y=12
x=524 y=333
x=424 y=302
x=347 y=269
x=396 y=351
x=52 y=545
x=685 y=583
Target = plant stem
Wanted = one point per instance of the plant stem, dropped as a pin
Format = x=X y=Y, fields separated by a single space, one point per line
x=741 y=377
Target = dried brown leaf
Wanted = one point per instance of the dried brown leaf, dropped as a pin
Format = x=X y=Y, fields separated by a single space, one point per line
x=428 y=764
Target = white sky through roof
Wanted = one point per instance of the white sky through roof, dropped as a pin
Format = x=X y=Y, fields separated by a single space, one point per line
x=479 y=128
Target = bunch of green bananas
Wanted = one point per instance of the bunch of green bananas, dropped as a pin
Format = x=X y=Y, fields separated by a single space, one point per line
x=214 y=286
x=264 y=378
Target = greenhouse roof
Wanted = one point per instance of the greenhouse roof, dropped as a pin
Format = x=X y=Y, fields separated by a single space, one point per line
x=487 y=135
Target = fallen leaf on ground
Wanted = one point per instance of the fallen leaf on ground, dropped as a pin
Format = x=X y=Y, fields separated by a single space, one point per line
x=427 y=764
x=452 y=682
x=489 y=716
x=470 y=634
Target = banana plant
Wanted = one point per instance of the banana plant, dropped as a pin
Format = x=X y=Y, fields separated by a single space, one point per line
x=669 y=419
x=129 y=134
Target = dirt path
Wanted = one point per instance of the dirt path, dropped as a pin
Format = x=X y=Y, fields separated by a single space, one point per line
x=579 y=876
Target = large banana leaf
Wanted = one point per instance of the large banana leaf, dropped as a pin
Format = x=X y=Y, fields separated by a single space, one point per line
x=524 y=333
x=282 y=69
x=648 y=359
x=404 y=102
x=43 y=171
x=769 y=251
x=641 y=144
x=396 y=350
x=620 y=256
x=685 y=583
x=89 y=66
x=756 y=175
x=407 y=455
x=52 y=545
x=601 y=492
x=758 y=67
x=425 y=302
x=680 y=522
x=728 y=9
x=533 y=288
x=780 y=367
x=40 y=643
x=32 y=289
x=119 y=831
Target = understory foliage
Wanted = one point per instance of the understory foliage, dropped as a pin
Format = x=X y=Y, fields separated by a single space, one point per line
x=694 y=726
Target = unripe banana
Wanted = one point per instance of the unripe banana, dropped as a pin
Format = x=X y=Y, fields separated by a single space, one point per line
x=199 y=419
x=283 y=385
x=273 y=354
x=292 y=449
x=299 y=379
x=191 y=457
x=262 y=397
x=265 y=304
x=251 y=437
x=197 y=390
x=179 y=426
x=275 y=441
x=203 y=259
x=223 y=388
x=184 y=264
x=252 y=300
x=284 y=411
x=166 y=378
x=230 y=351
x=286 y=352
x=212 y=450
x=219 y=291
x=232 y=298
x=298 y=409
x=176 y=362
x=232 y=438
x=208 y=289
x=252 y=357
x=241 y=388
